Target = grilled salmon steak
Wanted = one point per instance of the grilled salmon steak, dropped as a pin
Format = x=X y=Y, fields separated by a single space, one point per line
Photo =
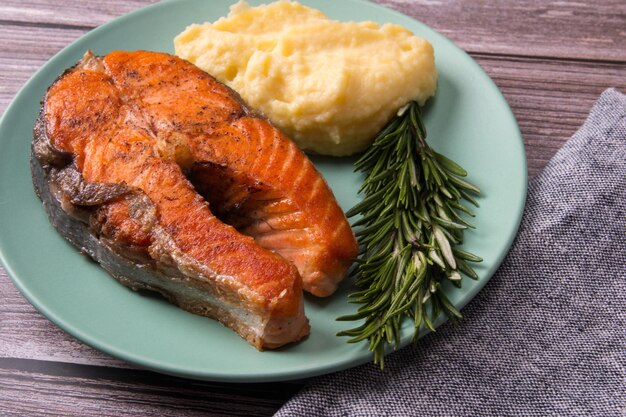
x=164 y=176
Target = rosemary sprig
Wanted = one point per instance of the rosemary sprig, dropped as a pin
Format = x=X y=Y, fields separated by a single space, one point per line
x=411 y=222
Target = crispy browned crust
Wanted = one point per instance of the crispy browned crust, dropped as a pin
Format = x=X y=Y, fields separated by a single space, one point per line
x=114 y=186
x=265 y=185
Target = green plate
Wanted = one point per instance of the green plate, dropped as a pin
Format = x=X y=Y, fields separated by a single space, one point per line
x=469 y=121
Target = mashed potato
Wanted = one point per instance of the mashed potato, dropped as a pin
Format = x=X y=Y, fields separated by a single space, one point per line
x=330 y=86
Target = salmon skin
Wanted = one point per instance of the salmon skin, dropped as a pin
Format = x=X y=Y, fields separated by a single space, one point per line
x=162 y=175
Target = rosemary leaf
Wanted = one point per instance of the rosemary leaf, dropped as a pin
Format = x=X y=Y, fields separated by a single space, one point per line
x=411 y=221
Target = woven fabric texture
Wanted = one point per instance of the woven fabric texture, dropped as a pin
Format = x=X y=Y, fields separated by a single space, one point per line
x=547 y=335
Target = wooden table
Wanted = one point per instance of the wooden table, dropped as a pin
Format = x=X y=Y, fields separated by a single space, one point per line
x=551 y=59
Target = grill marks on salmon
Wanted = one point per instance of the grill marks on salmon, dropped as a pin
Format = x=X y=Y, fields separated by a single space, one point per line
x=166 y=178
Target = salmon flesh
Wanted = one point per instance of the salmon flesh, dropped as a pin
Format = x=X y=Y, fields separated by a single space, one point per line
x=167 y=179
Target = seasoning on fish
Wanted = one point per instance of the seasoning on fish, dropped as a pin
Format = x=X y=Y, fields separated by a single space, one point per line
x=263 y=184
x=136 y=153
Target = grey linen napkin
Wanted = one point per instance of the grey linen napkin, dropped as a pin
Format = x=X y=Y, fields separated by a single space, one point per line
x=547 y=335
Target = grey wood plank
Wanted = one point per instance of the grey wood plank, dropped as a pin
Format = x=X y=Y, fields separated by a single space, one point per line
x=90 y=13
x=52 y=389
x=565 y=29
x=590 y=30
